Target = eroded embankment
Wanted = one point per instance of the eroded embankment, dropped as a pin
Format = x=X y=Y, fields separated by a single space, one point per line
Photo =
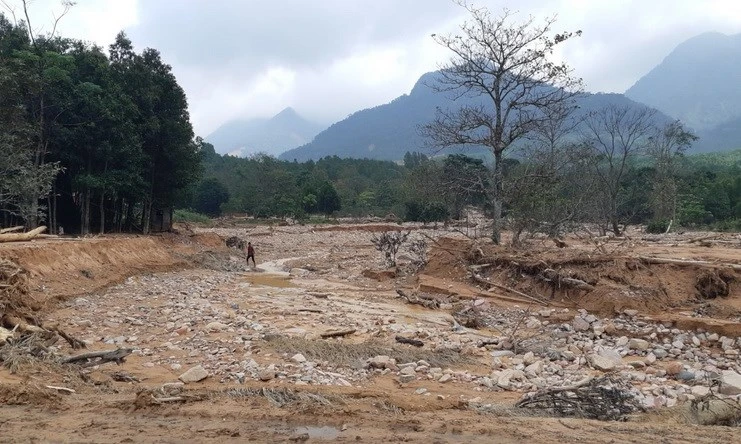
x=62 y=268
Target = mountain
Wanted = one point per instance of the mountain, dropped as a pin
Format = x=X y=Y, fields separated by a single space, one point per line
x=273 y=136
x=387 y=131
x=699 y=82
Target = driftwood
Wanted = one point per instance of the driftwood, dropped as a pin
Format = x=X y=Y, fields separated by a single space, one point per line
x=11 y=229
x=19 y=237
x=310 y=310
x=565 y=281
x=483 y=281
x=336 y=333
x=60 y=389
x=606 y=398
x=683 y=262
x=427 y=302
x=100 y=357
x=414 y=342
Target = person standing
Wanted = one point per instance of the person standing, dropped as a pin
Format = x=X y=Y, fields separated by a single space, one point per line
x=250 y=254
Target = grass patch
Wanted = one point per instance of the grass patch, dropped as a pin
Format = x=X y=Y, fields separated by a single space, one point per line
x=191 y=216
x=345 y=354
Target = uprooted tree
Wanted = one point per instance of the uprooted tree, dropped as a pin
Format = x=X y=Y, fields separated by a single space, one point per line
x=504 y=70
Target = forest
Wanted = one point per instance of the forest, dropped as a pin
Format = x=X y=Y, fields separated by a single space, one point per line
x=89 y=141
x=702 y=190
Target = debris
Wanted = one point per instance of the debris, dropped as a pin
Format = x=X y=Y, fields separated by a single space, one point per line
x=605 y=398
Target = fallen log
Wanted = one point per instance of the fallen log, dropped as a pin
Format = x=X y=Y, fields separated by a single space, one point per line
x=310 y=310
x=336 y=333
x=553 y=275
x=11 y=229
x=20 y=237
x=427 y=302
x=481 y=280
x=414 y=342
x=684 y=262
x=100 y=357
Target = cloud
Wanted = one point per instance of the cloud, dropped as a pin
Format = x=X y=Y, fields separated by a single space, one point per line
x=329 y=58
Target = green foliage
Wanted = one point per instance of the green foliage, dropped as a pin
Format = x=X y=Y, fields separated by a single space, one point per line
x=182 y=215
x=657 y=226
x=211 y=194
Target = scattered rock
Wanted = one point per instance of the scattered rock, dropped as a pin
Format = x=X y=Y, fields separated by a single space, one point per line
x=730 y=383
x=195 y=374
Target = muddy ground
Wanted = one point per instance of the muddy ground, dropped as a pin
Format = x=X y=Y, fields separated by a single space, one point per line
x=185 y=301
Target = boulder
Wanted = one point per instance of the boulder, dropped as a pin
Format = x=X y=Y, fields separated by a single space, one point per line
x=601 y=363
x=730 y=383
x=580 y=324
x=298 y=358
x=195 y=374
x=638 y=344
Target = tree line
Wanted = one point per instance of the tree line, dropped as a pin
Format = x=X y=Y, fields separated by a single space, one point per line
x=89 y=141
x=546 y=193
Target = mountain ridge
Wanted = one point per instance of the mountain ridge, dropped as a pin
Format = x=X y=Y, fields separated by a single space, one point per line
x=272 y=136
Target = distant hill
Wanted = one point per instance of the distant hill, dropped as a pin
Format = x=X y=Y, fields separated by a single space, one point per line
x=699 y=82
x=387 y=131
x=273 y=136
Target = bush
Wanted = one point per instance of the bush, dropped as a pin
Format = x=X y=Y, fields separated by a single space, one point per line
x=657 y=226
x=183 y=215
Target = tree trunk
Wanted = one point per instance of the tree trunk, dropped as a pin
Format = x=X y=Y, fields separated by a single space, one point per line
x=102 y=212
x=496 y=234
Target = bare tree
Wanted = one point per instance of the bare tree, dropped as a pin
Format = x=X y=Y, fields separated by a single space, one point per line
x=507 y=64
x=615 y=135
x=548 y=190
x=664 y=146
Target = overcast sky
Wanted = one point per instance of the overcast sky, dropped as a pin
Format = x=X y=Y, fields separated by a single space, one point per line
x=330 y=58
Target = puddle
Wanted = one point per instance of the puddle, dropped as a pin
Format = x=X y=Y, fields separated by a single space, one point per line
x=325 y=432
x=270 y=280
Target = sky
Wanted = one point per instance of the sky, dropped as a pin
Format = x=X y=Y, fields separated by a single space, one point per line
x=240 y=59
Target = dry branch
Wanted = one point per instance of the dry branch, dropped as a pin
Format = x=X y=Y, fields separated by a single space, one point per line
x=606 y=398
x=336 y=333
x=683 y=262
x=414 y=342
x=483 y=281
x=100 y=357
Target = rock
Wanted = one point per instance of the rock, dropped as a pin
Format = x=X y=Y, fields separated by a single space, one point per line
x=660 y=353
x=685 y=375
x=535 y=368
x=673 y=368
x=445 y=378
x=730 y=383
x=195 y=374
x=404 y=379
x=408 y=371
x=611 y=354
x=529 y=358
x=216 y=327
x=298 y=358
x=172 y=388
x=630 y=312
x=502 y=353
x=420 y=391
x=638 y=344
x=382 y=362
x=580 y=324
x=700 y=390
x=601 y=363
x=266 y=374
x=650 y=358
